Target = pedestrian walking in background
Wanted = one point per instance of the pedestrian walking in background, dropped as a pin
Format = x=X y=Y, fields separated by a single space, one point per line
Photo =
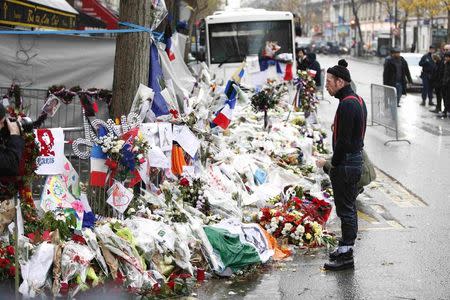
x=446 y=84
x=313 y=64
x=302 y=64
x=436 y=81
x=349 y=129
x=396 y=72
x=428 y=65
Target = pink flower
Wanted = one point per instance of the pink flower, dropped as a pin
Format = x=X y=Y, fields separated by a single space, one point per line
x=78 y=206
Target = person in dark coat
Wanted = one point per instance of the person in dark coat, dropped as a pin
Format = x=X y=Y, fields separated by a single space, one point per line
x=313 y=64
x=349 y=129
x=395 y=73
x=302 y=64
x=11 y=146
x=446 y=84
x=428 y=65
x=436 y=80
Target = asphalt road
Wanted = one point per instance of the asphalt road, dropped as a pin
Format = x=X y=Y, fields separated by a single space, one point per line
x=402 y=250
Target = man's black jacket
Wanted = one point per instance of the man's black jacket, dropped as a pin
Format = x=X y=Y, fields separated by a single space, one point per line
x=10 y=155
x=390 y=71
x=349 y=125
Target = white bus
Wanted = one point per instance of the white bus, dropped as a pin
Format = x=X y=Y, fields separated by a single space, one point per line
x=233 y=36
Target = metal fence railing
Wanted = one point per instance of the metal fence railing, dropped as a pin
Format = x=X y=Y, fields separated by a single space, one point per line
x=68 y=115
x=384 y=109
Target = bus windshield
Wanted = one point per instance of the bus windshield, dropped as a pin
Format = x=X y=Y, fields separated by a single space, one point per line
x=232 y=42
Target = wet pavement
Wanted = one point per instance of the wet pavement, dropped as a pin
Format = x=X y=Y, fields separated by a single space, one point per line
x=402 y=249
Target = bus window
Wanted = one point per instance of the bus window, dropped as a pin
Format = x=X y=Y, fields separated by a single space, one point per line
x=232 y=42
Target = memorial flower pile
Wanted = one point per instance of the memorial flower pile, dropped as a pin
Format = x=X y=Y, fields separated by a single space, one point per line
x=125 y=153
x=299 y=221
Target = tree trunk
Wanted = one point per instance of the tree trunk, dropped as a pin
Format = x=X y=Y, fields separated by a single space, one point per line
x=448 y=23
x=355 y=13
x=131 y=64
x=405 y=23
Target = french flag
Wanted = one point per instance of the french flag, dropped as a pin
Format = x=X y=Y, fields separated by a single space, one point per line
x=99 y=170
x=223 y=116
x=168 y=42
x=159 y=105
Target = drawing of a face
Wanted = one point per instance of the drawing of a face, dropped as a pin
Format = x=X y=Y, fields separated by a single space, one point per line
x=46 y=141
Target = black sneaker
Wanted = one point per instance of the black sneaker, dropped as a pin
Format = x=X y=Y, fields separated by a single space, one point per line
x=343 y=261
x=333 y=255
x=423 y=103
x=431 y=104
x=436 y=111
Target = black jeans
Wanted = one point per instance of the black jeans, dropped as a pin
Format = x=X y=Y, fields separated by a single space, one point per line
x=427 y=89
x=438 y=91
x=446 y=97
x=344 y=179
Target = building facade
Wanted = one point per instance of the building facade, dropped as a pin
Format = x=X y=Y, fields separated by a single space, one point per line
x=334 y=20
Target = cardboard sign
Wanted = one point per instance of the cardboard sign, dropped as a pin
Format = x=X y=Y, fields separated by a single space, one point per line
x=51 y=151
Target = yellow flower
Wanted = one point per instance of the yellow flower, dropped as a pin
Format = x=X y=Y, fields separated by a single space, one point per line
x=308 y=236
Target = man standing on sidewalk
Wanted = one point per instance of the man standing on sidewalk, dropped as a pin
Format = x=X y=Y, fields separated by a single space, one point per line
x=395 y=73
x=349 y=129
x=446 y=84
x=428 y=65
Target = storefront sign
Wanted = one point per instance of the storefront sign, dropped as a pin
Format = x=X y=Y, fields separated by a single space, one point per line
x=22 y=13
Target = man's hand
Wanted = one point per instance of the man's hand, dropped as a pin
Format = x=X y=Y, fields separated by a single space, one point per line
x=13 y=127
x=320 y=162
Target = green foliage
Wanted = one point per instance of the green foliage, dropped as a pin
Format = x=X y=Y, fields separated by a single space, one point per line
x=60 y=220
x=268 y=97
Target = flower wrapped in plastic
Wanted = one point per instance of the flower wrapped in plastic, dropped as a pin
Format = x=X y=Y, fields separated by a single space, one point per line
x=75 y=260
x=34 y=271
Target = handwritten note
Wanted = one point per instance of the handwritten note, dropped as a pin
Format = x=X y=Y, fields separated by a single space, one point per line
x=165 y=136
x=119 y=197
x=150 y=132
x=157 y=158
x=187 y=139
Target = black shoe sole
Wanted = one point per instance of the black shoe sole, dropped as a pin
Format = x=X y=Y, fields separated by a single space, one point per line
x=339 y=268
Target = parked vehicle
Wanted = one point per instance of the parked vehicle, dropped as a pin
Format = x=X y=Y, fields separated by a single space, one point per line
x=329 y=48
x=413 y=63
x=318 y=46
x=303 y=42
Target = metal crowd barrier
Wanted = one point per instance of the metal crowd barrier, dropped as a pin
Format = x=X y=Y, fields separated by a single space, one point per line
x=384 y=109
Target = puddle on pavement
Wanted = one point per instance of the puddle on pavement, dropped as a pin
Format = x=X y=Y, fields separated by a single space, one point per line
x=435 y=130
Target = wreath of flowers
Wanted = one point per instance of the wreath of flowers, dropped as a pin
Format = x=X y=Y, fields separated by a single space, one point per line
x=268 y=97
x=68 y=94
x=192 y=192
x=125 y=154
x=299 y=221
x=306 y=99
